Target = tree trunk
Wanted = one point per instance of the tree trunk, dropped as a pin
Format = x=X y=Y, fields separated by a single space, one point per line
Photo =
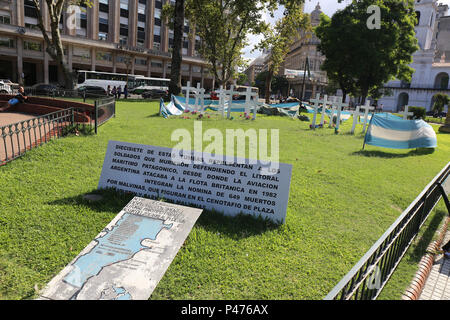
x=268 y=85
x=175 y=72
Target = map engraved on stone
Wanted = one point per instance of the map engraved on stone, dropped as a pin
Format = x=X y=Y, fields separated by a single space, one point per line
x=129 y=257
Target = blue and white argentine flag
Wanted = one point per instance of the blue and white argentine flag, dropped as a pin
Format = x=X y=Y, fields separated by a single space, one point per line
x=400 y=134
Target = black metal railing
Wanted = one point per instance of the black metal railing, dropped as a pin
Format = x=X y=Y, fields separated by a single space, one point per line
x=367 y=278
x=18 y=138
x=105 y=109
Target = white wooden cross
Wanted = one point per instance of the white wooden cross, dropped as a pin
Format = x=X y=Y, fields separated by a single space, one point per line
x=316 y=105
x=188 y=91
x=366 y=109
x=222 y=100
x=250 y=101
x=333 y=110
x=405 y=113
x=324 y=109
x=199 y=96
x=230 y=101
x=339 y=106
x=356 y=113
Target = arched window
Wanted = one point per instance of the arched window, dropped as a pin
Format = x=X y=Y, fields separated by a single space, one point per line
x=418 y=18
x=441 y=81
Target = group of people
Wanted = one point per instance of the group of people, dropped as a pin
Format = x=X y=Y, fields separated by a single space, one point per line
x=117 y=91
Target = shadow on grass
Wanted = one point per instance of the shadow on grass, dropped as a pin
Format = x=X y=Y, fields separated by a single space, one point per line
x=237 y=227
x=388 y=155
x=155 y=115
x=427 y=236
x=111 y=200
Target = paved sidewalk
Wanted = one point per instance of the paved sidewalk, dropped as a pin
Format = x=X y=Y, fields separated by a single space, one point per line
x=437 y=286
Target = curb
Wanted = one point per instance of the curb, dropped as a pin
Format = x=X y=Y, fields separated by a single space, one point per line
x=426 y=263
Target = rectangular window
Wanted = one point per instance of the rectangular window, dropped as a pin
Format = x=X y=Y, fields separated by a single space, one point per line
x=6 y=42
x=82 y=53
x=103 y=36
x=32 y=46
x=141 y=61
x=156 y=46
x=30 y=9
x=5 y=17
x=158 y=4
x=123 y=40
x=123 y=30
x=157 y=64
x=104 y=56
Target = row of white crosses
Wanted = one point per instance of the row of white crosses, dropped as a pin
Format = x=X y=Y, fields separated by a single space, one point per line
x=199 y=93
x=356 y=113
x=336 y=105
x=226 y=99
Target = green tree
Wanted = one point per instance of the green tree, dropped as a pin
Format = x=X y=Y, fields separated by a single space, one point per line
x=362 y=59
x=279 y=40
x=278 y=83
x=440 y=100
x=223 y=27
x=175 y=13
x=242 y=79
x=53 y=41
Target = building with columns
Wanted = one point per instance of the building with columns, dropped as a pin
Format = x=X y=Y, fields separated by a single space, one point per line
x=303 y=50
x=101 y=38
x=431 y=62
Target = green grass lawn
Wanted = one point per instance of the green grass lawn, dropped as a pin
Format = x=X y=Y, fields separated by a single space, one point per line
x=341 y=201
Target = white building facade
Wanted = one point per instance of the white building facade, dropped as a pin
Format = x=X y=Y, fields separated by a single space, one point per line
x=431 y=61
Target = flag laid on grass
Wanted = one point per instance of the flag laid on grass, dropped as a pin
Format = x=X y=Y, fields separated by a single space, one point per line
x=400 y=134
x=169 y=110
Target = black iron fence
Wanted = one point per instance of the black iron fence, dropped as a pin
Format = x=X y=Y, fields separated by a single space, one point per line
x=367 y=278
x=105 y=109
x=18 y=138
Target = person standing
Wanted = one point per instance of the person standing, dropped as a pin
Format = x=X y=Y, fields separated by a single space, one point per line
x=108 y=90
x=119 y=92
x=114 y=92
x=125 y=91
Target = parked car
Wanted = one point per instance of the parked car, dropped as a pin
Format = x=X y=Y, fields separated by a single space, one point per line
x=91 y=91
x=214 y=96
x=156 y=94
x=5 y=88
x=43 y=89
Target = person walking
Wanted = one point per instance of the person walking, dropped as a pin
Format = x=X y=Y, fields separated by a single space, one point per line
x=125 y=91
x=114 y=92
x=119 y=92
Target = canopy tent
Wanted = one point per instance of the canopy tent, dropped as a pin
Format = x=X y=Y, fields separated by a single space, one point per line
x=400 y=134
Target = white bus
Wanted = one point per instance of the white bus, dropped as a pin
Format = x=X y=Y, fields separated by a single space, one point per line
x=104 y=79
x=142 y=84
x=137 y=84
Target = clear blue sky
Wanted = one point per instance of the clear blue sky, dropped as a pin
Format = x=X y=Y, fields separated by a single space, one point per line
x=329 y=7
